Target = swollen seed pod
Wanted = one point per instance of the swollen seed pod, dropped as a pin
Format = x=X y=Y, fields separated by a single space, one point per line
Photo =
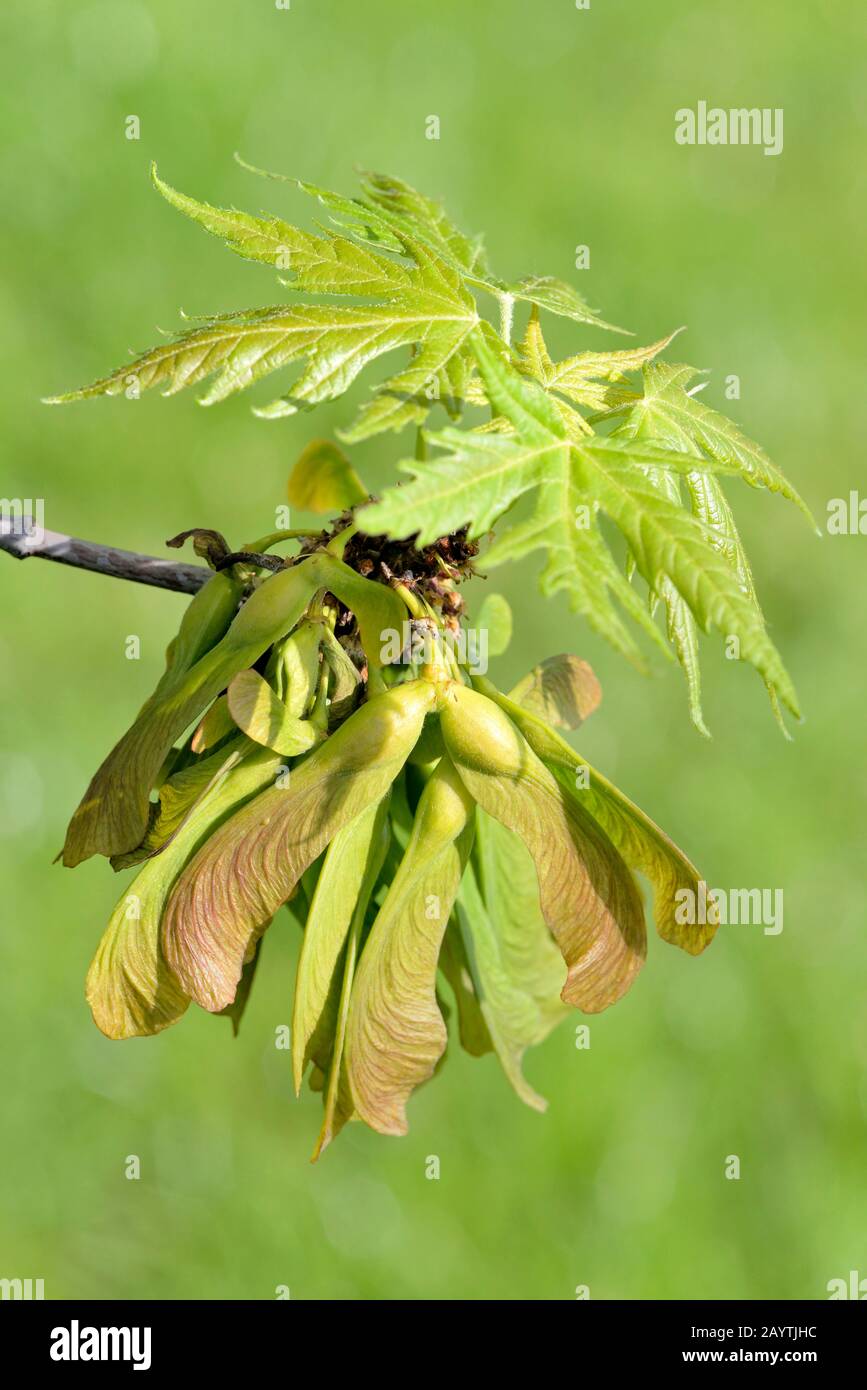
x=344 y=685
x=206 y=620
x=294 y=667
x=228 y=894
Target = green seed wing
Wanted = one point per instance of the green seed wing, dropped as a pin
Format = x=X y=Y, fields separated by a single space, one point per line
x=395 y=1033
x=113 y=815
x=264 y=718
x=515 y=959
x=642 y=844
x=456 y=967
x=562 y=690
x=352 y=863
x=229 y=893
x=130 y=988
x=587 y=894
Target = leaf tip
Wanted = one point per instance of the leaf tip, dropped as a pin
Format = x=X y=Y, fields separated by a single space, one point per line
x=243 y=163
x=163 y=188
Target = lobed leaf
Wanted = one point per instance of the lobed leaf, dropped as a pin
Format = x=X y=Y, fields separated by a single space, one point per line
x=558 y=297
x=710 y=505
x=324 y=264
x=669 y=413
x=591 y=379
x=668 y=542
x=422 y=306
x=424 y=218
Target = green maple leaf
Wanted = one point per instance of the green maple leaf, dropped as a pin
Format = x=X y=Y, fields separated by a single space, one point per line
x=427 y=219
x=392 y=272
x=483 y=474
x=420 y=303
x=595 y=380
x=390 y=208
x=393 y=246
x=667 y=411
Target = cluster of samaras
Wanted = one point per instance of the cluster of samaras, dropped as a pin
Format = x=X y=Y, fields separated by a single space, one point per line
x=427 y=831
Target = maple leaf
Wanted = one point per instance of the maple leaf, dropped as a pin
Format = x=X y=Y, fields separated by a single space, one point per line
x=663 y=413
x=409 y=280
x=390 y=208
x=587 y=378
x=667 y=412
x=483 y=474
x=420 y=303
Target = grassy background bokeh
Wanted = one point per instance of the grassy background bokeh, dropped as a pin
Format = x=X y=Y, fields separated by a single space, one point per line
x=557 y=130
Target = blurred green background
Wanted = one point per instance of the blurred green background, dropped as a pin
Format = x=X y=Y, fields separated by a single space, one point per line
x=557 y=130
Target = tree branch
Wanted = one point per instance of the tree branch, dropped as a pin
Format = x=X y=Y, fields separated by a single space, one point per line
x=23 y=539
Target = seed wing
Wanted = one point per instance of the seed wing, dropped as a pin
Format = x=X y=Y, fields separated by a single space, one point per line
x=228 y=894
x=395 y=1033
x=587 y=894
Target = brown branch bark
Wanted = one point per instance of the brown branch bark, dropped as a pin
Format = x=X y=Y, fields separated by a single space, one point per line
x=23 y=540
